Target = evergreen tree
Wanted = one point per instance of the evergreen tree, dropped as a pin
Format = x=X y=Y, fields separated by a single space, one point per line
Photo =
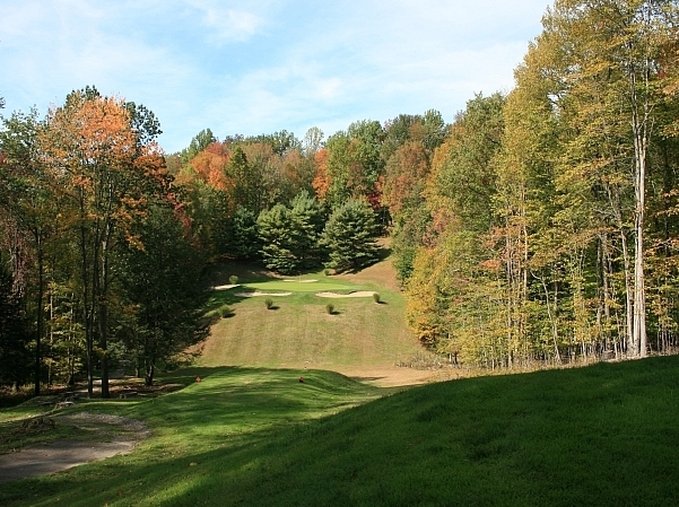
x=350 y=236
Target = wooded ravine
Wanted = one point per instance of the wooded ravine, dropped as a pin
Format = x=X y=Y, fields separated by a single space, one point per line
x=540 y=227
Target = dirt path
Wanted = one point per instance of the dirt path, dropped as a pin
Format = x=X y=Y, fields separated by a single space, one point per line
x=61 y=455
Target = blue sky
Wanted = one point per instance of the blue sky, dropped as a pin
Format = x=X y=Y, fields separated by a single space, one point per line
x=252 y=67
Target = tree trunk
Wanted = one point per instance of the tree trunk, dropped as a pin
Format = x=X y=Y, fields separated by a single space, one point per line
x=39 y=309
x=641 y=110
x=150 y=371
x=102 y=320
x=85 y=296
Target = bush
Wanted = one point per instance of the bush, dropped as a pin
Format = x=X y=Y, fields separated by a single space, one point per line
x=376 y=297
x=269 y=303
x=223 y=311
x=330 y=308
x=233 y=279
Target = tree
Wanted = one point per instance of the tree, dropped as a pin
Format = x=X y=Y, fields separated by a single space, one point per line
x=244 y=234
x=246 y=181
x=290 y=235
x=31 y=204
x=405 y=176
x=162 y=283
x=354 y=164
x=313 y=141
x=200 y=142
x=278 y=237
x=350 y=236
x=106 y=168
x=15 y=357
x=308 y=219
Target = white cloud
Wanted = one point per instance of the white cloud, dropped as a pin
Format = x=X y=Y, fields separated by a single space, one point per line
x=227 y=24
x=254 y=67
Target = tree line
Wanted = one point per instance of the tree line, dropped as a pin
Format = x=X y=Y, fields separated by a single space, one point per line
x=105 y=239
x=546 y=229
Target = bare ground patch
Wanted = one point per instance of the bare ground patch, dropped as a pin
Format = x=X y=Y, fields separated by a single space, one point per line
x=390 y=376
x=121 y=435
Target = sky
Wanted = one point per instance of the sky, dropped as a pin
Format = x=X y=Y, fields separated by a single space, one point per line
x=261 y=66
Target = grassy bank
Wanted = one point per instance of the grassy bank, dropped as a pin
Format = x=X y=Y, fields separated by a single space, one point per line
x=300 y=332
x=602 y=435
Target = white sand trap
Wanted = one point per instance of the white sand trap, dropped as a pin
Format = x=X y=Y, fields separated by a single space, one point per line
x=259 y=293
x=300 y=281
x=227 y=286
x=355 y=294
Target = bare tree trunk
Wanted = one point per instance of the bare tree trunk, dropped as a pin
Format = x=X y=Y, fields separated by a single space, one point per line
x=39 y=303
x=641 y=110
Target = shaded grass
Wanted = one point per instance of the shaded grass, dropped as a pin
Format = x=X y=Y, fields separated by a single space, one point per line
x=231 y=410
x=602 y=435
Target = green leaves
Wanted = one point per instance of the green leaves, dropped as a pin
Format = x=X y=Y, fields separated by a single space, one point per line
x=290 y=235
x=350 y=236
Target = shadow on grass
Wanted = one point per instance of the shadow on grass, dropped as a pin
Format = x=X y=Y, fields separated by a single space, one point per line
x=227 y=418
x=220 y=273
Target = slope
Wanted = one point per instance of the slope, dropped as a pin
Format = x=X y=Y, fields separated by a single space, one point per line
x=602 y=435
x=359 y=338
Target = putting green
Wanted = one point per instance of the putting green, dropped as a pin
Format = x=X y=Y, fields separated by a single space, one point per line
x=300 y=286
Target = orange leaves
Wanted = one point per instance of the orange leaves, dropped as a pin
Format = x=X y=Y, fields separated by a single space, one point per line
x=105 y=131
x=210 y=164
x=89 y=131
x=406 y=172
x=321 y=181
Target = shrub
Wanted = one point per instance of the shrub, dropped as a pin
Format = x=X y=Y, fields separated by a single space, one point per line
x=225 y=311
x=269 y=303
x=376 y=297
x=233 y=279
x=330 y=308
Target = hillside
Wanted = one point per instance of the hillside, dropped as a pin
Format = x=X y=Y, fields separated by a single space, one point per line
x=602 y=435
x=360 y=338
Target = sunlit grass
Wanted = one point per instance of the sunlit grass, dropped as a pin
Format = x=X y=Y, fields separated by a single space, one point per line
x=301 y=333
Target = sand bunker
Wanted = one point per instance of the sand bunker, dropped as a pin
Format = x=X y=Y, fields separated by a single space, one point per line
x=355 y=294
x=300 y=281
x=259 y=293
x=227 y=286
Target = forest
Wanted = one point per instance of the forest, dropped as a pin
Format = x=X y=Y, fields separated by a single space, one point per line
x=540 y=227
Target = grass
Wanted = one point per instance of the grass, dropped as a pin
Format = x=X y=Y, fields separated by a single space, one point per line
x=301 y=333
x=602 y=435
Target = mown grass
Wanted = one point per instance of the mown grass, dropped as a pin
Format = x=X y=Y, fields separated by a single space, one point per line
x=301 y=333
x=602 y=435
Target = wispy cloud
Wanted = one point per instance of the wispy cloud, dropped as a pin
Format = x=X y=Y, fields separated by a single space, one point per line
x=255 y=67
x=225 y=23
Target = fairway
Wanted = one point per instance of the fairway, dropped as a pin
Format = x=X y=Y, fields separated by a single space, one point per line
x=360 y=338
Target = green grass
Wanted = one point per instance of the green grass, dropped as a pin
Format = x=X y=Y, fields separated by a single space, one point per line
x=338 y=286
x=301 y=333
x=602 y=435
